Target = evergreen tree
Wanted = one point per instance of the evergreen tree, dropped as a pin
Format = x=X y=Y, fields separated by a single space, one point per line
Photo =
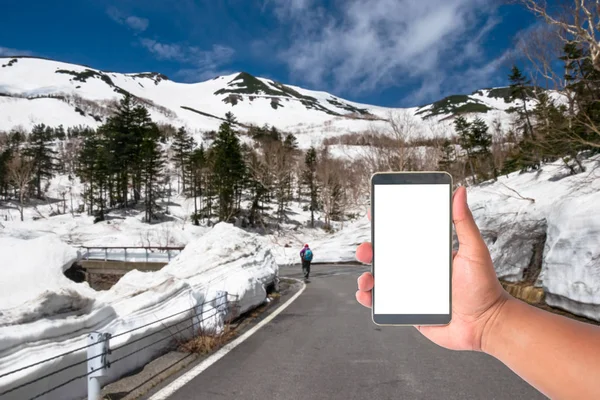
x=230 y=118
x=42 y=155
x=583 y=86
x=142 y=130
x=520 y=89
x=59 y=133
x=448 y=158
x=228 y=168
x=520 y=86
x=480 y=145
x=555 y=135
x=197 y=172
x=463 y=130
x=310 y=180
x=290 y=142
x=94 y=171
x=151 y=167
x=124 y=145
x=182 y=147
x=257 y=186
x=5 y=156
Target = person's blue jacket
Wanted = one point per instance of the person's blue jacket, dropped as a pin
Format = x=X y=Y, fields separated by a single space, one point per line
x=304 y=251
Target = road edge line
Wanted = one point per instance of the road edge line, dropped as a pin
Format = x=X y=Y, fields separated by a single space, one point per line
x=184 y=379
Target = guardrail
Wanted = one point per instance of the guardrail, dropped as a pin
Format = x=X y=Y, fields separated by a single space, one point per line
x=99 y=348
x=130 y=253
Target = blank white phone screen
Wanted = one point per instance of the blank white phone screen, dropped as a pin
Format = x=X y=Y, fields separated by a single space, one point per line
x=411 y=249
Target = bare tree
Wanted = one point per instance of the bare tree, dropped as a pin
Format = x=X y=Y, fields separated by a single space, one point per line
x=568 y=22
x=577 y=21
x=331 y=173
x=20 y=172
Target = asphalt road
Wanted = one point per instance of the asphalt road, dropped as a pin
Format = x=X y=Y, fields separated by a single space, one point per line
x=324 y=346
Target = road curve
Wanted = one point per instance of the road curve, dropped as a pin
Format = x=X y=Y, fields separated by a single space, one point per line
x=324 y=346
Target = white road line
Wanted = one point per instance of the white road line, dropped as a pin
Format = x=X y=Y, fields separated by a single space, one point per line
x=178 y=383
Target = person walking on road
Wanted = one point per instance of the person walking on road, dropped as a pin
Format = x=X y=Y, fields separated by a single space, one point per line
x=306 y=255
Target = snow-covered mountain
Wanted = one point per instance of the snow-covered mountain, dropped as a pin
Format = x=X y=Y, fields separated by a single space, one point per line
x=34 y=90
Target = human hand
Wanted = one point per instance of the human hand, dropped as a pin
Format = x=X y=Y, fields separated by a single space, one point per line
x=477 y=295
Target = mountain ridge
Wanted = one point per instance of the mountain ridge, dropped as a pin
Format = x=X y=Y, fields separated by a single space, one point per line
x=75 y=94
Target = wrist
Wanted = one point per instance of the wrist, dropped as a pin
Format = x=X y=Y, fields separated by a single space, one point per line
x=492 y=330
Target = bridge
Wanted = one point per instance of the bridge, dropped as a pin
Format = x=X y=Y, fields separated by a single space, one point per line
x=103 y=266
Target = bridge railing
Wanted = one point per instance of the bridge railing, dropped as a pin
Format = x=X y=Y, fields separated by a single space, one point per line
x=130 y=253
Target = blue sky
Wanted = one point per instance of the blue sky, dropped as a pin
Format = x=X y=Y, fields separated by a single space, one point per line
x=384 y=52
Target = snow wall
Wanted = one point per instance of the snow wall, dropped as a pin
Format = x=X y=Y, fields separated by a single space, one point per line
x=44 y=314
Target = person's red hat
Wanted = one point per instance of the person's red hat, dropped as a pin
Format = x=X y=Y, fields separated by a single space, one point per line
x=306 y=245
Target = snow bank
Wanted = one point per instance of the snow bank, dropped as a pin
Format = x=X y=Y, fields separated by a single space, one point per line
x=36 y=267
x=225 y=261
x=553 y=211
x=572 y=256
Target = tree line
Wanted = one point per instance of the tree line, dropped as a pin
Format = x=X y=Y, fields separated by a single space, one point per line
x=548 y=126
x=131 y=162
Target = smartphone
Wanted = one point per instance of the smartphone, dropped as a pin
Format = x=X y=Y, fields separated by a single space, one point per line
x=411 y=234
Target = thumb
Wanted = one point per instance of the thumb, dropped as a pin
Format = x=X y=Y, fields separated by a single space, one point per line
x=466 y=228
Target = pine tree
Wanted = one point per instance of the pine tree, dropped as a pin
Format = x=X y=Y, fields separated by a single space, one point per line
x=94 y=171
x=124 y=144
x=555 y=135
x=197 y=172
x=291 y=145
x=182 y=147
x=151 y=166
x=228 y=168
x=463 y=130
x=230 y=118
x=42 y=155
x=520 y=89
x=257 y=186
x=142 y=130
x=448 y=158
x=480 y=145
x=59 y=133
x=583 y=86
x=5 y=156
x=310 y=180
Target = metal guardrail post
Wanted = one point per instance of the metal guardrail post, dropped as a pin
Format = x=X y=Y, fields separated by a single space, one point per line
x=97 y=364
x=169 y=255
x=146 y=254
x=125 y=249
x=105 y=254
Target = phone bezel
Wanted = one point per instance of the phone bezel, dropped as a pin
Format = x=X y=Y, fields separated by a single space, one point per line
x=412 y=178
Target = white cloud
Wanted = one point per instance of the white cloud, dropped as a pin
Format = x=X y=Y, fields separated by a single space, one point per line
x=368 y=44
x=7 y=51
x=138 y=24
x=164 y=51
x=286 y=8
x=202 y=64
